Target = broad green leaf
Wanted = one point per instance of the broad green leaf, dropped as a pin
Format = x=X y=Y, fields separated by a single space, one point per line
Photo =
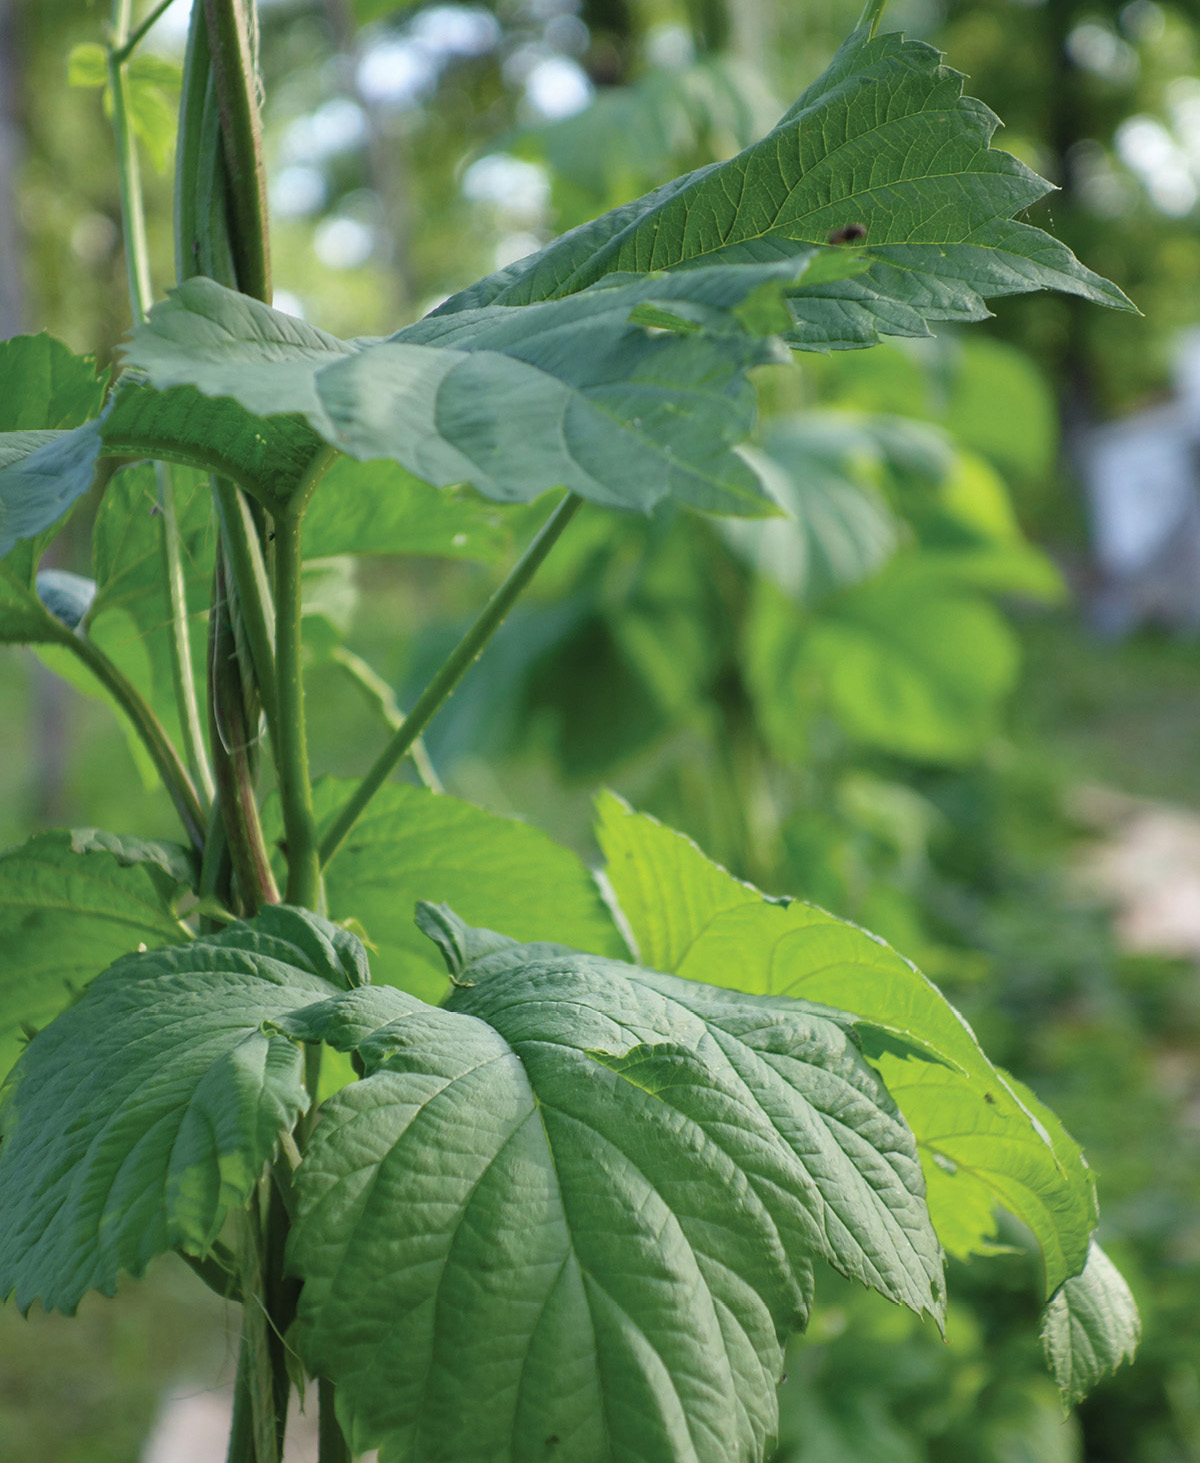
x=141 y=1117
x=612 y=1249
x=689 y=916
x=45 y=386
x=824 y=473
x=1090 y=1327
x=624 y=394
x=884 y=139
x=412 y=844
x=127 y=544
x=71 y=904
x=913 y=665
x=378 y=508
x=1001 y=405
x=268 y=458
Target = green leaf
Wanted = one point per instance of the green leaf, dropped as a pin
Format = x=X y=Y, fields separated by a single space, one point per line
x=44 y=385
x=614 y=1247
x=913 y=665
x=689 y=916
x=1090 y=1327
x=823 y=471
x=412 y=844
x=71 y=904
x=267 y=458
x=884 y=139
x=142 y=1116
x=378 y=508
x=569 y=394
x=87 y=65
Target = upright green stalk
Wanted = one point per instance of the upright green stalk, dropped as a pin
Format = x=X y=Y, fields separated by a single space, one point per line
x=295 y=789
x=137 y=261
x=456 y=665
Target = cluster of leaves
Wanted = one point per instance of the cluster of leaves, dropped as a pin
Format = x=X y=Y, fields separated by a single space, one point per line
x=576 y=1205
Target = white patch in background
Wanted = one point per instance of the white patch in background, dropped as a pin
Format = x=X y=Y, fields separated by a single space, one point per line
x=297 y=191
x=557 y=87
x=519 y=189
x=343 y=243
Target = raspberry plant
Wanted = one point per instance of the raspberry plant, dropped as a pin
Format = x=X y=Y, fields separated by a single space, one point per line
x=565 y=1197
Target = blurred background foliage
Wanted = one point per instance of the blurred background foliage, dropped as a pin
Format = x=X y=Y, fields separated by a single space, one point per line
x=887 y=702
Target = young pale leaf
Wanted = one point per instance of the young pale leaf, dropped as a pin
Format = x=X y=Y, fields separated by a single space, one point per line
x=885 y=141
x=143 y=1115
x=689 y=916
x=572 y=1215
x=1091 y=1326
x=623 y=394
x=411 y=843
x=71 y=904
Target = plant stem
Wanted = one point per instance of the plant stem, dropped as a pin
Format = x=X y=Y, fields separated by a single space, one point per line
x=126 y=48
x=231 y=40
x=148 y=727
x=250 y=584
x=231 y=739
x=872 y=14
x=383 y=698
x=137 y=258
x=295 y=790
x=460 y=660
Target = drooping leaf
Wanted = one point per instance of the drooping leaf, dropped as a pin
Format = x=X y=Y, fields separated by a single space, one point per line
x=71 y=904
x=412 y=844
x=625 y=394
x=884 y=139
x=823 y=471
x=142 y=1116
x=610 y=1251
x=689 y=916
x=41 y=475
x=1090 y=1327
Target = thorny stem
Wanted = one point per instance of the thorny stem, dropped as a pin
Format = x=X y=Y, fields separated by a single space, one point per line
x=456 y=665
x=137 y=258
